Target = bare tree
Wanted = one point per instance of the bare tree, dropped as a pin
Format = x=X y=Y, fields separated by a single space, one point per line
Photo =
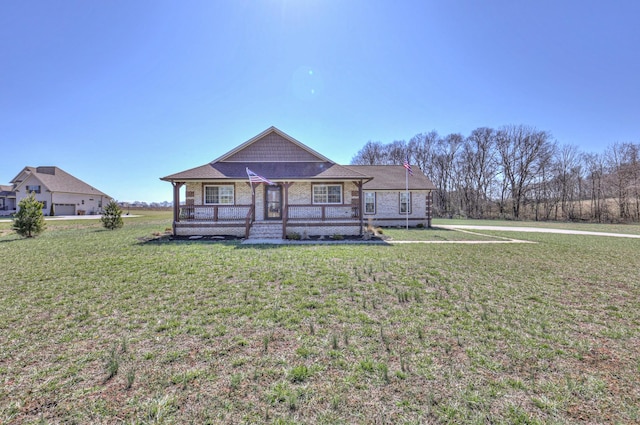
x=623 y=175
x=523 y=171
x=479 y=155
x=596 y=174
x=567 y=165
x=523 y=151
x=396 y=152
x=421 y=149
x=444 y=157
x=371 y=154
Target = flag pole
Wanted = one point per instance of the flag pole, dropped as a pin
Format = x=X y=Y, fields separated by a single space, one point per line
x=406 y=178
x=253 y=193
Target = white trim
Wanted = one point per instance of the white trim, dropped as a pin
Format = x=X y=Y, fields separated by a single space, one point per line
x=313 y=200
x=204 y=194
x=409 y=203
x=364 y=194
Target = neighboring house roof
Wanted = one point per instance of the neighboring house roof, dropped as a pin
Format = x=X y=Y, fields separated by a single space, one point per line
x=56 y=179
x=274 y=155
x=393 y=177
x=7 y=191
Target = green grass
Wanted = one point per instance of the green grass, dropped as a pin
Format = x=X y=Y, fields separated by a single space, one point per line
x=125 y=326
x=435 y=235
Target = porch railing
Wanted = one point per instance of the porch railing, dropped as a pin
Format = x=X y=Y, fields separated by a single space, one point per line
x=322 y=212
x=245 y=213
x=214 y=212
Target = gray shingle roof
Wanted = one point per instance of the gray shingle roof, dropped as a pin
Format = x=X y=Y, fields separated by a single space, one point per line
x=393 y=177
x=6 y=191
x=274 y=155
x=57 y=180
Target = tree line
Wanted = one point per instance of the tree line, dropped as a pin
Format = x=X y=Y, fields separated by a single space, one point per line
x=521 y=173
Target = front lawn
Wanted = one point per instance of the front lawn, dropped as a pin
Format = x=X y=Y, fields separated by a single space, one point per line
x=126 y=326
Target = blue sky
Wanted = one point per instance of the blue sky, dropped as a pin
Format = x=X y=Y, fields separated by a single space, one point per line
x=120 y=93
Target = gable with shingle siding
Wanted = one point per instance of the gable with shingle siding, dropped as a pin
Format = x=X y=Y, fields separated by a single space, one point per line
x=272 y=148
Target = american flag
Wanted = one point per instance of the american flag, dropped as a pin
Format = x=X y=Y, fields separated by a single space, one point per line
x=407 y=165
x=255 y=178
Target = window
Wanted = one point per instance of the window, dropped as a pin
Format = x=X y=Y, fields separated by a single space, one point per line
x=218 y=195
x=327 y=194
x=369 y=202
x=33 y=188
x=405 y=203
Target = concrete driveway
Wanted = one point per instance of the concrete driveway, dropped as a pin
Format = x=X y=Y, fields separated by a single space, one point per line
x=534 y=230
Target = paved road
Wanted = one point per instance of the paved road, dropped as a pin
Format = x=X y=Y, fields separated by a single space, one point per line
x=535 y=230
x=82 y=217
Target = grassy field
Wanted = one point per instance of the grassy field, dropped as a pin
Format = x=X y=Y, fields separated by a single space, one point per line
x=128 y=327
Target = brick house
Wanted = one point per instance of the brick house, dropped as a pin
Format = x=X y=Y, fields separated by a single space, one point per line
x=310 y=193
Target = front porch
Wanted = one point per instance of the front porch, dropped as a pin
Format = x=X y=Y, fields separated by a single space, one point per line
x=239 y=220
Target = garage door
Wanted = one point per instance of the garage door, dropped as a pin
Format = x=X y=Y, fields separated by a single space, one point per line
x=64 y=209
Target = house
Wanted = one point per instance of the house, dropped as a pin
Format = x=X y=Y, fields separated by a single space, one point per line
x=7 y=200
x=309 y=194
x=394 y=198
x=55 y=187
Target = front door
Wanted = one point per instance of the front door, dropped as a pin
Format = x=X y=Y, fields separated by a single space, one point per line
x=273 y=202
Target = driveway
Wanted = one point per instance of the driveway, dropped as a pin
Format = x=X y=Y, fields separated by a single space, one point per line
x=534 y=230
x=82 y=217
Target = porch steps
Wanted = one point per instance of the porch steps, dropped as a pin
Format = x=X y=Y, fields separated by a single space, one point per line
x=266 y=230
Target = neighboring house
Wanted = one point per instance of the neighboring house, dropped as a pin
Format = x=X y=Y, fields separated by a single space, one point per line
x=54 y=186
x=7 y=200
x=311 y=194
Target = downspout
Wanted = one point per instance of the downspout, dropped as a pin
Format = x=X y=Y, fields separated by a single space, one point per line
x=361 y=208
x=429 y=208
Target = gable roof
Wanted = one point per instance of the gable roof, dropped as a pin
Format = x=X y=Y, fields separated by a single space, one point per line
x=393 y=177
x=56 y=179
x=274 y=155
x=272 y=145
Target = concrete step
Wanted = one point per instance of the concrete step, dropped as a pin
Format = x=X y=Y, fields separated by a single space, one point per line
x=262 y=230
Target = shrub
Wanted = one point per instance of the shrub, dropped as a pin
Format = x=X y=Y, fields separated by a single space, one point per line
x=29 y=220
x=112 y=216
x=294 y=236
x=337 y=237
